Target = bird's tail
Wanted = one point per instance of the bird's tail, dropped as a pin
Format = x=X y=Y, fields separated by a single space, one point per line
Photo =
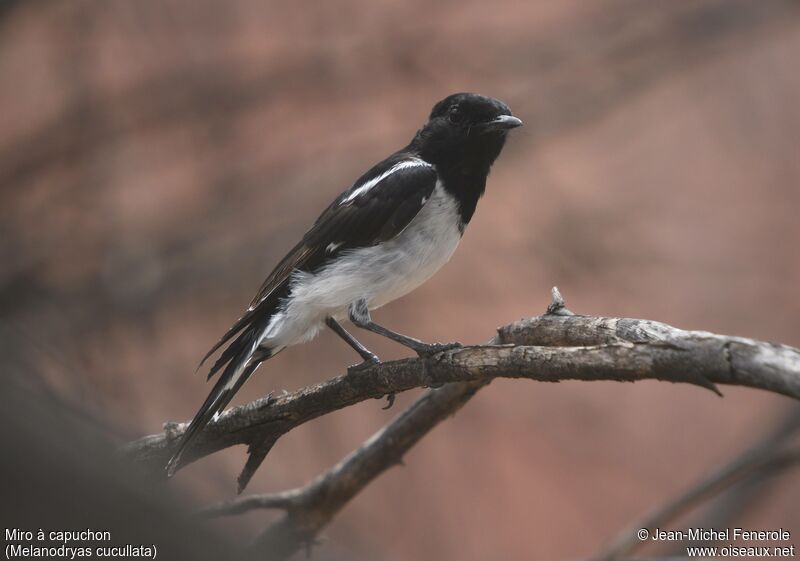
x=247 y=357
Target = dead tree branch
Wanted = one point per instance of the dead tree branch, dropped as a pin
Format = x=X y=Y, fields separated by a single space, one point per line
x=549 y=348
x=553 y=347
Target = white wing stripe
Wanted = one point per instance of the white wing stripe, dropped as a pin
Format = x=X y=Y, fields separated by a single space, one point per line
x=414 y=162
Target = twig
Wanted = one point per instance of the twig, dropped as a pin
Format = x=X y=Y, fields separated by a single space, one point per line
x=746 y=493
x=285 y=500
x=765 y=459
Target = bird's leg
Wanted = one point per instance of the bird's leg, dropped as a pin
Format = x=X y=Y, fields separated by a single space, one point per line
x=370 y=358
x=359 y=315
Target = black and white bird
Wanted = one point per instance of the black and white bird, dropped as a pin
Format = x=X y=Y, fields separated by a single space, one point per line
x=380 y=239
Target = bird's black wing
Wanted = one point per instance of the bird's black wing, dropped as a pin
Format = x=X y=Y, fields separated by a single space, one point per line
x=375 y=209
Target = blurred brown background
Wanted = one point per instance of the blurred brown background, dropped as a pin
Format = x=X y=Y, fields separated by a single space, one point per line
x=158 y=158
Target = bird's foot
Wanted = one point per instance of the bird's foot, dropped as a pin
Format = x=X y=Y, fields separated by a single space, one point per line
x=428 y=349
x=367 y=363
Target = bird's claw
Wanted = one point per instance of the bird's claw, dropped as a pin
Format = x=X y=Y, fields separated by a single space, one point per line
x=389 y=401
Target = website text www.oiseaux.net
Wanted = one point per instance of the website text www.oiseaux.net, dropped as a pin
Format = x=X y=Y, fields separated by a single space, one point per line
x=735 y=542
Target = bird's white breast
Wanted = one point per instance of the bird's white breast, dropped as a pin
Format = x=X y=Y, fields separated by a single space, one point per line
x=379 y=273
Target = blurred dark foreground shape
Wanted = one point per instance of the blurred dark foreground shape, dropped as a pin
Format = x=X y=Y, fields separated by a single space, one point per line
x=60 y=473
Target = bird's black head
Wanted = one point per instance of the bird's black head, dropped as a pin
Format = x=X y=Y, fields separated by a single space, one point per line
x=462 y=138
x=465 y=130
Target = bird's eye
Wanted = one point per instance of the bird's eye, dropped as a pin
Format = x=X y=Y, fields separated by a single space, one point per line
x=455 y=116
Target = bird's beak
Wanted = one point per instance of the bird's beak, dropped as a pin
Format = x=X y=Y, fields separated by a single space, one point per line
x=501 y=123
